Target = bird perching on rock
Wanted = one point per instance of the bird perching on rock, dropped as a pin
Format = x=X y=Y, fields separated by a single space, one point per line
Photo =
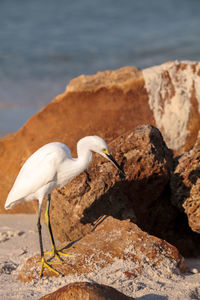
x=49 y=167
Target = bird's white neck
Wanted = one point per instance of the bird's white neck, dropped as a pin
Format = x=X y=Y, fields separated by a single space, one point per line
x=74 y=167
x=84 y=155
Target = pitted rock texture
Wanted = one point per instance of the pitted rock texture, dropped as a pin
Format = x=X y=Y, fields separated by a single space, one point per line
x=111 y=248
x=174 y=98
x=143 y=196
x=185 y=185
x=147 y=163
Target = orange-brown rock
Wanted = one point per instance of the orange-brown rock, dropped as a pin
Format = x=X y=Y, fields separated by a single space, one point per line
x=185 y=185
x=108 y=104
x=86 y=291
x=113 y=249
x=147 y=164
x=143 y=197
x=106 y=109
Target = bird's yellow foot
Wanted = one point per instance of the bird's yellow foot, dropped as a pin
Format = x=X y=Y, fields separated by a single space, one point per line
x=57 y=253
x=45 y=264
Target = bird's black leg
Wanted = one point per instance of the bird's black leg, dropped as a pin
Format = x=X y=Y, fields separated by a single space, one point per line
x=43 y=262
x=47 y=217
x=39 y=231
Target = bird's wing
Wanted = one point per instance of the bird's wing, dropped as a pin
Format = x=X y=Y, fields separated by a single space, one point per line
x=37 y=171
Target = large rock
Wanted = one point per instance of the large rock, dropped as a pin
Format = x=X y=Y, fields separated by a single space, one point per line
x=147 y=163
x=143 y=196
x=185 y=185
x=86 y=291
x=174 y=98
x=108 y=104
x=114 y=249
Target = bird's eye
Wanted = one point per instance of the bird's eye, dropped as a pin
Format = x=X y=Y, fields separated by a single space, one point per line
x=104 y=150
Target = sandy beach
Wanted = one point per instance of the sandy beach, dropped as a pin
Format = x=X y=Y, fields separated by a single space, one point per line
x=19 y=241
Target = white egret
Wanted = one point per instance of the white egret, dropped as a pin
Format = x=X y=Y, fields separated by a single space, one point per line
x=49 y=167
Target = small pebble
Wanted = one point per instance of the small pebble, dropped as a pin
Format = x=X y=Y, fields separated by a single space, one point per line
x=194 y=270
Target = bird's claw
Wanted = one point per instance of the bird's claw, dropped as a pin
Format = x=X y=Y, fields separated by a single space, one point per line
x=57 y=253
x=45 y=264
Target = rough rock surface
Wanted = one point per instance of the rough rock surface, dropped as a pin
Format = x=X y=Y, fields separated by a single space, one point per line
x=143 y=196
x=185 y=185
x=114 y=247
x=108 y=104
x=147 y=163
x=174 y=98
x=86 y=291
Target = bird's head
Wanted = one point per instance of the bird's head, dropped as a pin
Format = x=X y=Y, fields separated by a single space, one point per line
x=99 y=146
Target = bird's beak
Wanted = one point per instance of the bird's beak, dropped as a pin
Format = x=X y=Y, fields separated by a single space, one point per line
x=113 y=161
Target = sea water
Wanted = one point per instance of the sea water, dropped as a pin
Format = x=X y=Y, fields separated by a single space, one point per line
x=46 y=43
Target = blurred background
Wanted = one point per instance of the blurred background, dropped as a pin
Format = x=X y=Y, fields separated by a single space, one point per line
x=46 y=43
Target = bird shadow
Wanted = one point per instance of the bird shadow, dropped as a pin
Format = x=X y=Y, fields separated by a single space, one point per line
x=71 y=244
x=97 y=223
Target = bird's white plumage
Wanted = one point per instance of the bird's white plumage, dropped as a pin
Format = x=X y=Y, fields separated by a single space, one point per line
x=39 y=174
x=50 y=166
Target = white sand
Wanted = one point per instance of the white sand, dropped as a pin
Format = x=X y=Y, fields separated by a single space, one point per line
x=19 y=240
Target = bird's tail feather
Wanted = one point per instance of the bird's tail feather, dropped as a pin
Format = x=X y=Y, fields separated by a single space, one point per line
x=10 y=205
